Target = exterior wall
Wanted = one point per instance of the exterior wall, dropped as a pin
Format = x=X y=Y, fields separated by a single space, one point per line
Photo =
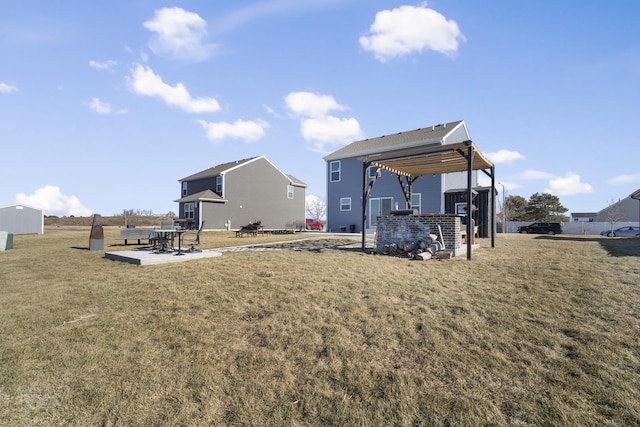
x=458 y=135
x=21 y=219
x=482 y=216
x=387 y=185
x=627 y=209
x=200 y=185
x=409 y=228
x=255 y=191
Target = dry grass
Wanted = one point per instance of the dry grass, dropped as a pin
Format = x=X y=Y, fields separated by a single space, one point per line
x=538 y=331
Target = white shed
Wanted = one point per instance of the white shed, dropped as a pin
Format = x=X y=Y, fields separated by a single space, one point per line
x=21 y=219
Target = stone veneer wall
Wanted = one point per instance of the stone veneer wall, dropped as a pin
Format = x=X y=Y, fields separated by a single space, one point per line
x=410 y=228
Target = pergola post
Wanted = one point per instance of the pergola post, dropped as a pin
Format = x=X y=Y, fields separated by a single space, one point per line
x=470 y=153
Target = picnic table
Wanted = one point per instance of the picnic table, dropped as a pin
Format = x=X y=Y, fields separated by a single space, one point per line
x=252 y=229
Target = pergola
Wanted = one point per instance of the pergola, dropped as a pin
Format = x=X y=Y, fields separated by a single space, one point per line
x=411 y=163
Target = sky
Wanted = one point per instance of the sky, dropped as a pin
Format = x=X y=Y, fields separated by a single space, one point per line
x=106 y=105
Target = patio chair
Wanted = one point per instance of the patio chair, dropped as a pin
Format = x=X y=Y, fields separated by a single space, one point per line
x=193 y=241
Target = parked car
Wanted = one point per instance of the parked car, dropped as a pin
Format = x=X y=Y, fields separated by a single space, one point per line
x=541 y=228
x=313 y=224
x=629 y=231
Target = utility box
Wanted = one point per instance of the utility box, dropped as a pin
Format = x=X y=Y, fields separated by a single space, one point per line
x=6 y=240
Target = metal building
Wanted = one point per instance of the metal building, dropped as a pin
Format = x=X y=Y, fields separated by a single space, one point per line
x=21 y=219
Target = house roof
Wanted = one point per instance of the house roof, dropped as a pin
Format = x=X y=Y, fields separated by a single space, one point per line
x=420 y=137
x=226 y=167
x=216 y=170
x=296 y=181
x=429 y=159
x=635 y=194
x=203 y=196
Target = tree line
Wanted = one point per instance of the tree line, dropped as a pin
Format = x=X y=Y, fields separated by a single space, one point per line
x=539 y=207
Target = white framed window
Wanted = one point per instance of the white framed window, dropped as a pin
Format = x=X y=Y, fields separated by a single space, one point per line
x=379 y=207
x=184 y=189
x=289 y=191
x=189 y=210
x=372 y=171
x=416 y=202
x=219 y=185
x=334 y=171
x=345 y=203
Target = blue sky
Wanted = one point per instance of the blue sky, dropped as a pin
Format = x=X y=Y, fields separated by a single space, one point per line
x=105 y=105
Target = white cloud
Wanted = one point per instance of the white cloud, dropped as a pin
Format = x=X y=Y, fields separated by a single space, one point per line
x=247 y=130
x=504 y=156
x=623 y=179
x=7 y=88
x=53 y=202
x=143 y=81
x=99 y=106
x=331 y=129
x=311 y=104
x=411 y=29
x=534 y=174
x=317 y=126
x=271 y=111
x=106 y=65
x=567 y=185
x=179 y=35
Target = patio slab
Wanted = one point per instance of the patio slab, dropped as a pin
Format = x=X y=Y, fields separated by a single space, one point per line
x=147 y=257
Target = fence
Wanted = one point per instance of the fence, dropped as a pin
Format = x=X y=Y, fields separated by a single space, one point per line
x=574 y=227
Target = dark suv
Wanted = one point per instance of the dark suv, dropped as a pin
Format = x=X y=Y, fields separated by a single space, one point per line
x=541 y=228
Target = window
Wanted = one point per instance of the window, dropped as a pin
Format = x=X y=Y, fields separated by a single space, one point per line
x=372 y=171
x=416 y=202
x=289 y=191
x=189 y=210
x=184 y=189
x=345 y=203
x=334 y=170
x=379 y=207
x=219 y=185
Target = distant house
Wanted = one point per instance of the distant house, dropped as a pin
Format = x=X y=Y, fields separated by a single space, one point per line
x=230 y=195
x=346 y=179
x=21 y=219
x=625 y=210
x=583 y=216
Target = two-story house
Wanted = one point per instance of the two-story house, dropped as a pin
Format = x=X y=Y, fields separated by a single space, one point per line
x=346 y=179
x=230 y=195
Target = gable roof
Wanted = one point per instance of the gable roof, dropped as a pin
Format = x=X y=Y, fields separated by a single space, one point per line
x=296 y=181
x=419 y=137
x=203 y=196
x=229 y=166
x=216 y=170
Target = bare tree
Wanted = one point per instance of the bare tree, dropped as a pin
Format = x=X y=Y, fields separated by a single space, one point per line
x=316 y=208
x=613 y=214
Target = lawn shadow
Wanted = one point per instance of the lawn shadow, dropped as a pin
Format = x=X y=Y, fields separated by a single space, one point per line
x=615 y=246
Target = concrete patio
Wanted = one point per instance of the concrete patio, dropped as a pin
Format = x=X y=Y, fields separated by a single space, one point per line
x=148 y=257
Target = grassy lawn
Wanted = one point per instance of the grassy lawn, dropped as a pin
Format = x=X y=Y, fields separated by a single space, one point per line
x=538 y=331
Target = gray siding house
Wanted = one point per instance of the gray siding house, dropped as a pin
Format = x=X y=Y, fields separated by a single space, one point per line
x=625 y=210
x=21 y=219
x=230 y=195
x=345 y=182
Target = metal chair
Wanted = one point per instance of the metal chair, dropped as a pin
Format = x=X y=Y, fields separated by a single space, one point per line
x=193 y=241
